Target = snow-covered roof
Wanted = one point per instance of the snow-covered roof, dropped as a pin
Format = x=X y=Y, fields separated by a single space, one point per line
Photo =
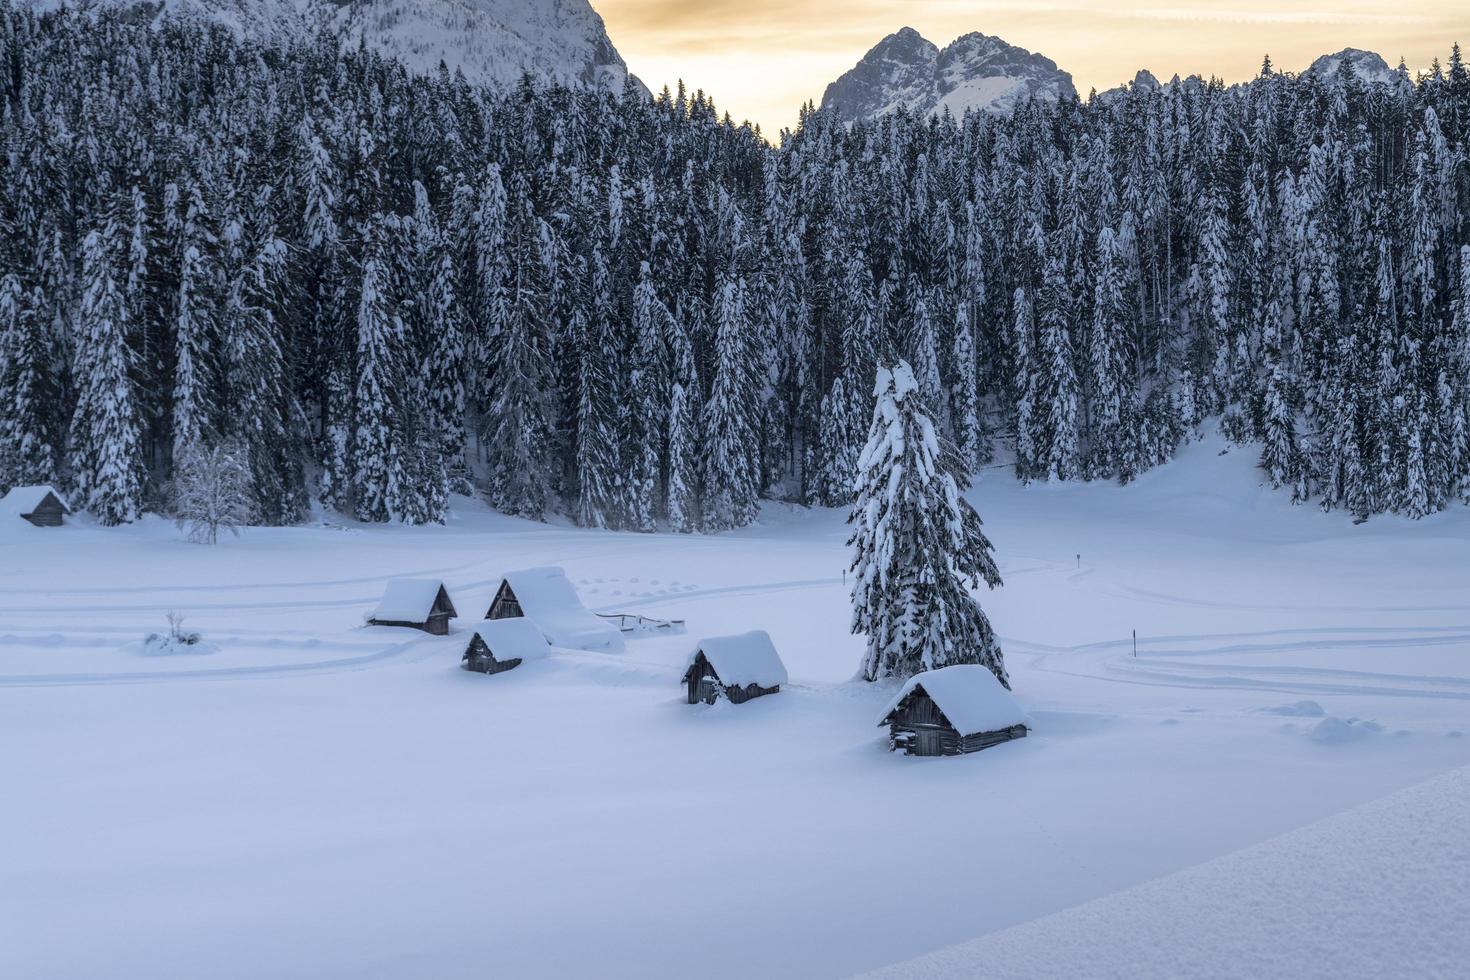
x=513 y=639
x=968 y=694
x=742 y=659
x=24 y=500
x=409 y=600
x=548 y=599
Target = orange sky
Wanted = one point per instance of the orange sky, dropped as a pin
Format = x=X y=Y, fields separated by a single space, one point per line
x=761 y=58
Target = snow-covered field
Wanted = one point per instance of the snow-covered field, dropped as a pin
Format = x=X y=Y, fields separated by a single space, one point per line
x=313 y=797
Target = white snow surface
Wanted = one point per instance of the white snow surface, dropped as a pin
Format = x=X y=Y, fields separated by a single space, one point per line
x=512 y=639
x=743 y=659
x=968 y=694
x=301 y=802
x=24 y=500
x=408 y=600
x=1376 y=891
x=550 y=601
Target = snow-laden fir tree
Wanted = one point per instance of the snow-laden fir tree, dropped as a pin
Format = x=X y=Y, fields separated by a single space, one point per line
x=1023 y=339
x=1107 y=360
x=195 y=383
x=836 y=455
x=971 y=439
x=27 y=455
x=731 y=476
x=649 y=391
x=918 y=548
x=518 y=430
x=104 y=443
x=377 y=334
x=599 y=491
x=683 y=487
x=1057 y=394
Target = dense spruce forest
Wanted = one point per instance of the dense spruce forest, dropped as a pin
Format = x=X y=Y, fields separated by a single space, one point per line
x=375 y=288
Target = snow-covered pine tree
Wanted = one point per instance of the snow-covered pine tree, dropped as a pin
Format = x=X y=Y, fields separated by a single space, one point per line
x=1027 y=425
x=195 y=382
x=518 y=425
x=1107 y=365
x=599 y=490
x=683 y=489
x=1057 y=394
x=377 y=340
x=836 y=457
x=649 y=401
x=27 y=453
x=917 y=547
x=971 y=439
x=104 y=446
x=731 y=474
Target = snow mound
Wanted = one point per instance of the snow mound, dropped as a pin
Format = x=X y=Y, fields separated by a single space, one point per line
x=1336 y=731
x=513 y=639
x=1302 y=709
x=548 y=599
x=968 y=694
x=743 y=659
x=1377 y=890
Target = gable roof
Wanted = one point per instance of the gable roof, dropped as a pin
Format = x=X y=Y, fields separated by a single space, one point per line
x=743 y=659
x=547 y=598
x=411 y=600
x=24 y=500
x=512 y=639
x=968 y=694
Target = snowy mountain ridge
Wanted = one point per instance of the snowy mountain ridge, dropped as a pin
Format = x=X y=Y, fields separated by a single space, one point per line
x=1369 y=66
x=975 y=71
x=492 y=41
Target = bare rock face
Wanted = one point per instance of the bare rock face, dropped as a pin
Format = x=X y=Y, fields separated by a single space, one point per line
x=975 y=71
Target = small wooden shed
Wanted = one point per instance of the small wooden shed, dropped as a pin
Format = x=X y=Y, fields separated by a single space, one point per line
x=500 y=644
x=40 y=505
x=419 y=603
x=740 y=667
x=546 y=597
x=951 y=711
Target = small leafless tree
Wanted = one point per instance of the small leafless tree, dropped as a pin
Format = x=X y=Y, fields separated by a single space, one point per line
x=212 y=492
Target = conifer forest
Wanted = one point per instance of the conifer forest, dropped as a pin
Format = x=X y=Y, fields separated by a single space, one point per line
x=378 y=288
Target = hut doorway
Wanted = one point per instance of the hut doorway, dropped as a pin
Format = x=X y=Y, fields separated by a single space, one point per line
x=928 y=742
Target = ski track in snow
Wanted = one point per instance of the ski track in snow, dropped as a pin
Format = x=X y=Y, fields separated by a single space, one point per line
x=1104 y=660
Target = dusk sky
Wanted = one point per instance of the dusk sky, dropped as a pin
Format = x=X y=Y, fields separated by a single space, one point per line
x=761 y=59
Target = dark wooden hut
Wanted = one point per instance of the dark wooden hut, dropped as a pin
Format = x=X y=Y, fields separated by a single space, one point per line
x=740 y=667
x=951 y=711
x=418 y=603
x=546 y=597
x=40 y=505
x=500 y=644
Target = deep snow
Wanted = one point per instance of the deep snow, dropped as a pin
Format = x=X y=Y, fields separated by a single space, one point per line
x=321 y=798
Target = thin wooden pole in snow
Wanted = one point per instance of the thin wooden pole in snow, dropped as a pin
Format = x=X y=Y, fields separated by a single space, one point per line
x=1135 y=644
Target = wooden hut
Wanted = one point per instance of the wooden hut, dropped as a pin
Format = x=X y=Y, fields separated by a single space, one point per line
x=500 y=644
x=740 y=667
x=951 y=711
x=420 y=603
x=545 y=596
x=40 y=505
